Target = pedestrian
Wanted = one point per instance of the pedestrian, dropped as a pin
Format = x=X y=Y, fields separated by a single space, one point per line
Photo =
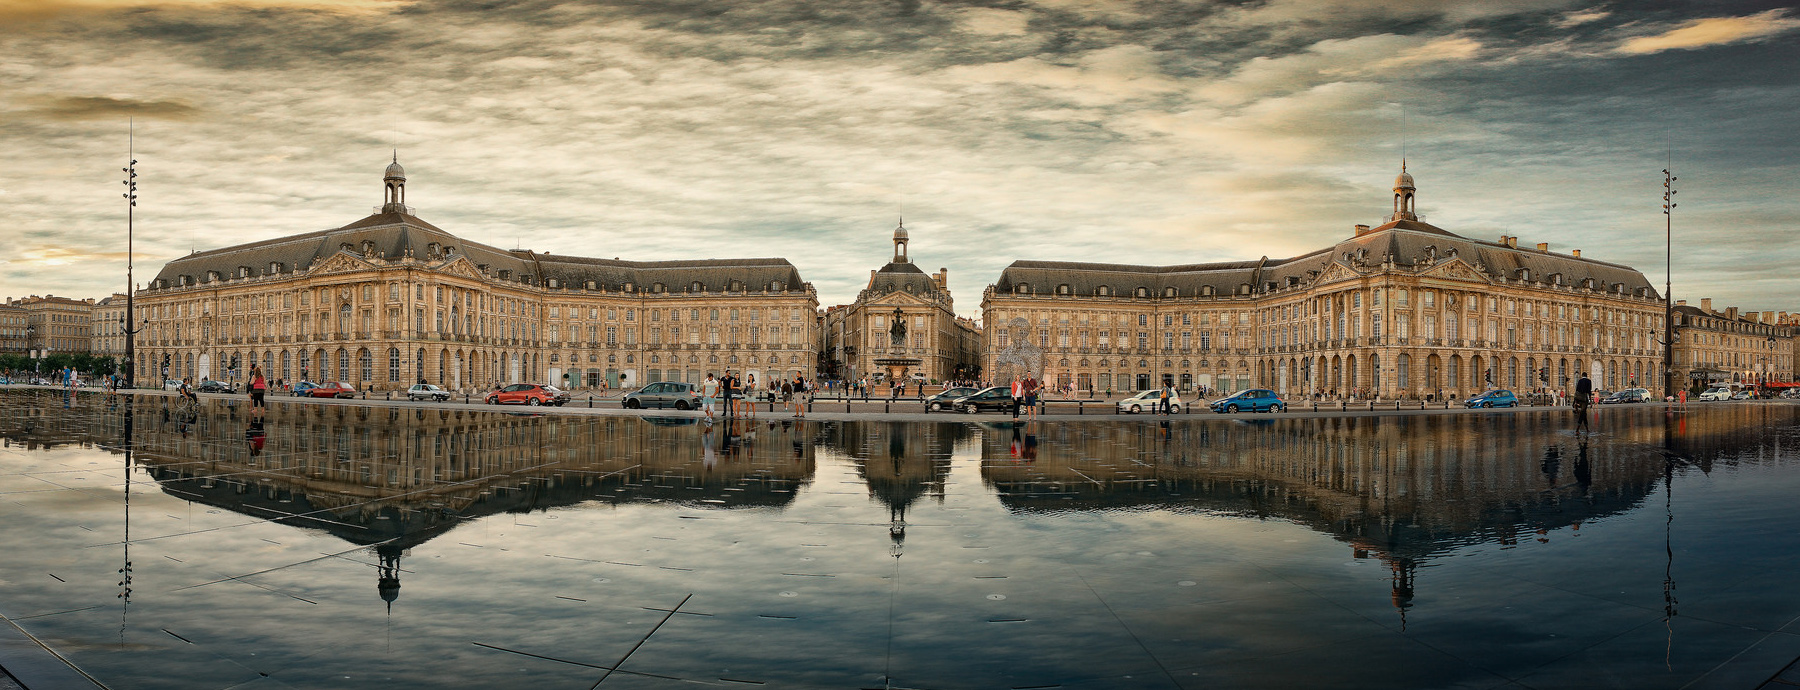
x=801 y=391
x=1162 y=406
x=708 y=390
x=726 y=386
x=259 y=386
x=750 y=395
x=1584 y=390
x=1031 y=397
x=1017 y=392
x=787 y=395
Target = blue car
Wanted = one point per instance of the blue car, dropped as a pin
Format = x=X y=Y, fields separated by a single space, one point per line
x=1493 y=399
x=1249 y=400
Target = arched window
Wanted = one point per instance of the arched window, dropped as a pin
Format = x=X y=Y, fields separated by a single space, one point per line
x=393 y=365
x=366 y=364
x=343 y=364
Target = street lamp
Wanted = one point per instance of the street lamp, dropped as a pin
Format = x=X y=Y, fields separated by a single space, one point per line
x=125 y=323
x=1668 y=282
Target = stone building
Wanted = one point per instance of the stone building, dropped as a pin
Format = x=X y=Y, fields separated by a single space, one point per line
x=1403 y=309
x=57 y=324
x=13 y=320
x=390 y=300
x=1728 y=346
x=902 y=326
x=107 y=329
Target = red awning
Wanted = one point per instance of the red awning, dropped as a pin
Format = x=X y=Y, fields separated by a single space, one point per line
x=1779 y=384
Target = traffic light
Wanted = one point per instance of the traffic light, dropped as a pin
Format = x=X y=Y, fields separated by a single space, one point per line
x=1544 y=374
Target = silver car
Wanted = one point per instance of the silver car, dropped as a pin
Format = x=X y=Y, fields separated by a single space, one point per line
x=681 y=396
x=426 y=391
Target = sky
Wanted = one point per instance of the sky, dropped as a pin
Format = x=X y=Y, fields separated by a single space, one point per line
x=1148 y=132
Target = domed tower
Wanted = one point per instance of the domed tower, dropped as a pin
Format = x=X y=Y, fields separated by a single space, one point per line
x=394 y=180
x=900 y=243
x=1404 y=192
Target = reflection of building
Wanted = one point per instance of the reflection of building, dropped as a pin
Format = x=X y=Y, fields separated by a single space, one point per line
x=903 y=326
x=108 y=328
x=391 y=299
x=1715 y=347
x=1401 y=309
x=58 y=324
x=901 y=463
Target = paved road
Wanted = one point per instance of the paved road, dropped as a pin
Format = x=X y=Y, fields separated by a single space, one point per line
x=899 y=410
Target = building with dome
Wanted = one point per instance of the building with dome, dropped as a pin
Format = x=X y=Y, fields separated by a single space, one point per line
x=902 y=327
x=1401 y=309
x=390 y=300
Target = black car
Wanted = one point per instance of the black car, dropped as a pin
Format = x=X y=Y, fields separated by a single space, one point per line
x=215 y=387
x=996 y=398
x=1624 y=396
x=948 y=398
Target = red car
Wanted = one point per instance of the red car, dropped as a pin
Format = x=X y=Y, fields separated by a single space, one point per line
x=334 y=389
x=527 y=394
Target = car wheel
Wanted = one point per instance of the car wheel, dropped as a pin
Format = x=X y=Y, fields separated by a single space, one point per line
x=630 y=404
x=971 y=408
x=493 y=401
x=533 y=402
x=1231 y=409
x=1488 y=404
x=1135 y=409
x=1277 y=408
x=1174 y=409
x=934 y=406
x=681 y=405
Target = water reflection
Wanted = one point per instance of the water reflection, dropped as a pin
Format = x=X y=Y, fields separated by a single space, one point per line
x=1406 y=493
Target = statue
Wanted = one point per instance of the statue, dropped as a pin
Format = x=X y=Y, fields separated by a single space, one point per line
x=898 y=331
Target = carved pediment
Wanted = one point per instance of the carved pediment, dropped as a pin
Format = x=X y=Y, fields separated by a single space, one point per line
x=899 y=299
x=341 y=262
x=461 y=266
x=1334 y=273
x=1456 y=269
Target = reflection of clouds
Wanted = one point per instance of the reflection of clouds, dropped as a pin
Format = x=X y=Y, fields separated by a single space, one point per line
x=799 y=129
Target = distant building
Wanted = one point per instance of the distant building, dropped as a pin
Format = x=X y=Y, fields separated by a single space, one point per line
x=902 y=327
x=1728 y=346
x=13 y=320
x=1403 y=309
x=57 y=325
x=108 y=329
x=390 y=300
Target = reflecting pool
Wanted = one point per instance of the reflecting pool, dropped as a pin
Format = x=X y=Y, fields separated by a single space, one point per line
x=338 y=546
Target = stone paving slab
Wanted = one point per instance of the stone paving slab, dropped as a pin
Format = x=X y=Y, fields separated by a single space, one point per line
x=33 y=666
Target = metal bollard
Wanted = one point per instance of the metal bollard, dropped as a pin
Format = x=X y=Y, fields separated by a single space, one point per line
x=1078 y=410
x=884 y=407
x=590 y=401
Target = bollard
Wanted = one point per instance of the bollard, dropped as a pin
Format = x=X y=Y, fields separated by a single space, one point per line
x=1078 y=410
x=590 y=401
x=884 y=407
x=465 y=398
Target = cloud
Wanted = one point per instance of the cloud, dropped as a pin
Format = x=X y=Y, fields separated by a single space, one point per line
x=1700 y=33
x=101 y=108
x=1363 y=58
x=1579 y=17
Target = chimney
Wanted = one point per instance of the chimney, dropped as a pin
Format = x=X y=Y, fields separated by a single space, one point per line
x=1544 y=247
x=1680 y=303
x=1731 y=313
x=1577 y=253
x=1753 y=317
x=943 y=278
x=1768 y=317
x=1706 y=305
x=1361 y=230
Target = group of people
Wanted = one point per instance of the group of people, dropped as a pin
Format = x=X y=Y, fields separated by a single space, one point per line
x=737 y=395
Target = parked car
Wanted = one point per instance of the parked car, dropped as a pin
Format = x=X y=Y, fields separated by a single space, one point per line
x=426 y=391
x=1500 y=398
x=1720 y=393
x=676 y=394
x=946 y=398
x=995 y=398
x=1249 y=400
x=1149 y=400
x=1790 y=393
x=171 y=385
x=302 y=388
x=1630 y=395
x=528 y=394
x=1745 y=394
x=333 y=389
x=214 y=387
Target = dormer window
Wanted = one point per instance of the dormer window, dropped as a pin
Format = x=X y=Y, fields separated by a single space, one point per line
x=1169 y=292
x=1062 y=289
x=696 y=286
x=1206 y=291
x=1142 y=292
x=274 y=267
x=243 y=272
x=505 y=274
x=658 y=288
x=737 y=286
x=1022 y=288
x=628 y=286
x=212 y=276
x=1103 y=291
x=1525 y=274
x=553 y=283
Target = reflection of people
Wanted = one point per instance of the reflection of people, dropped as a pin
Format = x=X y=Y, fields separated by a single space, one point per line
x=255 y=435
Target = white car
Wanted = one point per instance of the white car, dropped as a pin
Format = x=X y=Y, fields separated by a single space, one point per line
x=1149 y=401
x=426 y=391
x=1716 y=394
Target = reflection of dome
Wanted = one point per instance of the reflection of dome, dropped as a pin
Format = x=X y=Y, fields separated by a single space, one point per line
x=389 y=589
x=1404 y=181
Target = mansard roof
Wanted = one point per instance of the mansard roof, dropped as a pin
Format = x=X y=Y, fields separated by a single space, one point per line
x=394 y=235
x=1409 y=244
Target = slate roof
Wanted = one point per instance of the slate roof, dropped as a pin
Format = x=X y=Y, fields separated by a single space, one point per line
x=1410 y=244
x=393 y=235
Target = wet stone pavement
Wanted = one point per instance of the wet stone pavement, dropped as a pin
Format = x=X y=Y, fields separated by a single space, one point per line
x=349 y=546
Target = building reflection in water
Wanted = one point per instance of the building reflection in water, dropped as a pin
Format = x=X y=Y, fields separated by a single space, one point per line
x=1402 y=490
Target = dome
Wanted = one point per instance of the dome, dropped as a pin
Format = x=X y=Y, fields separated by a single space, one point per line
x=395 y=171
x=900 y=232
x=1404 y=181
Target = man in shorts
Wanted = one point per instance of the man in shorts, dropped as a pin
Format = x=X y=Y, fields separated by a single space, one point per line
x=708 y=391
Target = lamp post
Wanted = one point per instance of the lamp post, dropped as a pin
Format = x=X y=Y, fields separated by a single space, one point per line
x=126 y=324
x=1668 y=283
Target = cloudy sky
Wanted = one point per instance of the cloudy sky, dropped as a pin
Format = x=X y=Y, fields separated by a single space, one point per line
x=1146 y=131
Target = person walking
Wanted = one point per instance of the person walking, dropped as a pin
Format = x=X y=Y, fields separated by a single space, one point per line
x=259 y=386
x=727 y=386
x=1162 y=400
x=709 y=389
x=787 y=395
x=1031 y=397
x=1584 y=393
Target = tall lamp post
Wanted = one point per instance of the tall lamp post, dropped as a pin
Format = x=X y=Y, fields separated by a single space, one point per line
x=1668 y=283
x=126 y=324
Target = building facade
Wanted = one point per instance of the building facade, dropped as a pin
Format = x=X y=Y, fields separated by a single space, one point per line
x=391 y=300
x=57 y=324
x=107 y=330
x=1728 y=346
x=13 y=320
x=902 y=327
x=1403 y=309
